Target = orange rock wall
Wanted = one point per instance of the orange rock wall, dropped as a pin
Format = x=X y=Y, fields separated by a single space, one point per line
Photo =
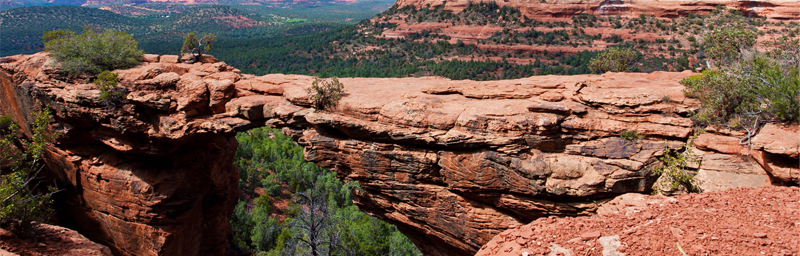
x=124 y=183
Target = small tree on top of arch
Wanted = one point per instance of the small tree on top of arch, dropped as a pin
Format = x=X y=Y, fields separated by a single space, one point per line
x=197 y=46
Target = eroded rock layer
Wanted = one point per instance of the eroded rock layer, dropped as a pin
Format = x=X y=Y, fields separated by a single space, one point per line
x=452 y=163
x=565 y=9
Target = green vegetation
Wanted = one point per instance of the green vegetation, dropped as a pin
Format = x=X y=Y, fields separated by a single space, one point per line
x=295 y=20
x=478 y=14
x=160 y=32
x=346 y=52
x=326 y=93
x=92 y=51
x=675 y=174
x=197 y=46
x=22 y=28
x=613 y=60
x=726 y=43
x=750 y=87
x=293 y=207
x=261 y=39
x=21 y=201
x=630 y=135
x=110 y=93
x=666 y=98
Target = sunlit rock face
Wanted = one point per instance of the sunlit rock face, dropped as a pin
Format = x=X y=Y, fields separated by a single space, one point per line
x=565 y=9
x=451 y=163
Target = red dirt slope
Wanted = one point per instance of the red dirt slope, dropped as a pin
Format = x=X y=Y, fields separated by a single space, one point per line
x=744 y=221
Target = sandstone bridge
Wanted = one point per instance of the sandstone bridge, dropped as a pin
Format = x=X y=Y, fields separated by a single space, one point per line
x=451 y=163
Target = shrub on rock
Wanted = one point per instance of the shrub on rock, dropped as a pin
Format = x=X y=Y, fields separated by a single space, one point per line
x=613 y=60
x=92 y=51
x=749 y=86
x=326 y=94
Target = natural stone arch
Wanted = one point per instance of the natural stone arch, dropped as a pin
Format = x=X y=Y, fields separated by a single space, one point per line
x=452 y=163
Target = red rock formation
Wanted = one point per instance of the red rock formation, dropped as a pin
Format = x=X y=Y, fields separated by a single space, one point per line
x=719 y=223
x=452 y=163
x=56 y=240
x=565 y=9
x=132 y=180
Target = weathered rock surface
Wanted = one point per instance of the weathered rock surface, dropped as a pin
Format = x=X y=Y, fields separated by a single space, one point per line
x=136 y=175
x=565 y=9
x=452 y=163
x=743 y=221
x=50 y=240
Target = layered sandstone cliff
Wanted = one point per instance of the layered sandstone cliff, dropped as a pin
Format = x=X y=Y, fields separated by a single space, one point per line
x=547 y=9
x=451 y=163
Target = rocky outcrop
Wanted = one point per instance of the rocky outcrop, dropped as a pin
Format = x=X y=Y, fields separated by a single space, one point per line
x=134 y=175
x=451 y=163
x=50 y=240
x=565 y=9
x=743 y=221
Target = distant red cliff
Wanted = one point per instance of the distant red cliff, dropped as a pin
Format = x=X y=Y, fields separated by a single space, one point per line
x=548 y=9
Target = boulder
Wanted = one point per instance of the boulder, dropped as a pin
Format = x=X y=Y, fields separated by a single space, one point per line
x=721 y=171
x=162 y=80
x=779 y=139
x=220 y=92
x=168 y=59
x=208 y=59
x=150 y=57
x=192 y=92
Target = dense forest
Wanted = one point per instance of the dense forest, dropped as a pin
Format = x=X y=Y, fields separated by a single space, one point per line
x=284 y=4
x=161 y=30
x=360 y=51
x=341 y=53
x=353 y=51
x=292 y=207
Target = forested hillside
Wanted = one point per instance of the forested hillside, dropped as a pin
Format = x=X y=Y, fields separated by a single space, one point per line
x=161 y=29
x=22 y=28
x=9 y=4
x=482 y=42
x=487 y=42
x=347 y=53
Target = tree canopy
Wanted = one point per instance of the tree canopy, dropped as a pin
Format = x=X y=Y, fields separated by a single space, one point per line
x=197 y=46
x=293 y=207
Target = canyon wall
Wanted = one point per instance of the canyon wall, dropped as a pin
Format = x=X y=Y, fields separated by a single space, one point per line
x=565 y=9
x=451 y=163
x=129 y=180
